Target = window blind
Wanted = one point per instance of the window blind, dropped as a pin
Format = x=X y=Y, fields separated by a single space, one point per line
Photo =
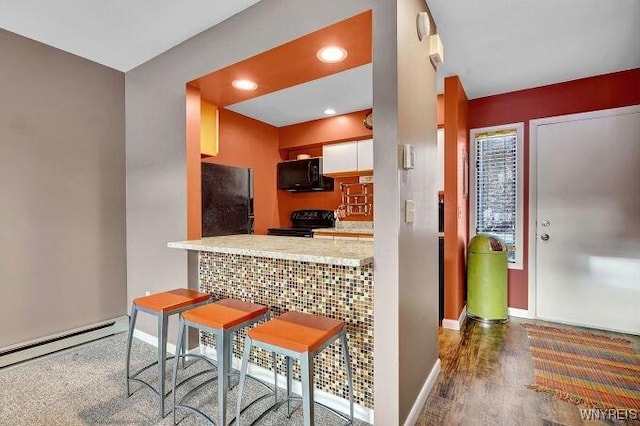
x=496 y=186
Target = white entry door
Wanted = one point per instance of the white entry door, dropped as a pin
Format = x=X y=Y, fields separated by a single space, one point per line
x=587 y=192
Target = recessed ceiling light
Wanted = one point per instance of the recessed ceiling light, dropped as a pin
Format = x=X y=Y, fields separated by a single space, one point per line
x=329 y=111
x=244 y=84
x=332 y=54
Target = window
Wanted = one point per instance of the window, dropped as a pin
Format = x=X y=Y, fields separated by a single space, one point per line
x=496 y=186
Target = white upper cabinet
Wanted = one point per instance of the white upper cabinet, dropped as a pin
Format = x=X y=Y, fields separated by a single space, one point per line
x=347 y=157
x=340 y=157
x=365 y=155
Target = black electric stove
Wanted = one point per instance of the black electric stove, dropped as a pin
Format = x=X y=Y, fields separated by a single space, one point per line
x=304 y=221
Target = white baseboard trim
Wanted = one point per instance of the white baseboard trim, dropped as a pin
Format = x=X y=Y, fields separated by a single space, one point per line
x=455 y=324
x=519 y=313
x=412 y=418
x=153 y=340
x=119 y=325
x=330 y=400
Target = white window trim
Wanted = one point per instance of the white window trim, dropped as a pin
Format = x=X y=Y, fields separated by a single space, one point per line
x=519 y=128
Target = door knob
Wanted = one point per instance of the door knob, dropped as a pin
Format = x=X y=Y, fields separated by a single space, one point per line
x=545 y=223
x=544 y=237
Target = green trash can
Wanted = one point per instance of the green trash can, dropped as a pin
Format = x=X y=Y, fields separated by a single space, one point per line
x=487 y=279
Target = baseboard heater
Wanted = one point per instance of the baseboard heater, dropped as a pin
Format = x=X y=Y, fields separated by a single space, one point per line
x=57 y=342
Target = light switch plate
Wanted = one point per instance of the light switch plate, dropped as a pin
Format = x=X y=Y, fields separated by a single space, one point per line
x=409 y=211
x=408 y=156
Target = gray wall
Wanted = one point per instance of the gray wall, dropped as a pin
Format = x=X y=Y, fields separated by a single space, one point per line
x=62 y=186
x=418 y=247
x=156 y=176
x=386 y=308
x=406 y=255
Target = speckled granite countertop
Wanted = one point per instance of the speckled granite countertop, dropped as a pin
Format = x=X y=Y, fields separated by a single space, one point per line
x=367 y=231
x=360 y=224
x=349 y=227
x=342 y=253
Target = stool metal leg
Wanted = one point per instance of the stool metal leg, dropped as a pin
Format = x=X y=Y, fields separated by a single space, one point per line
x=163 y=320
x=289 y=384
x=275 y=377
x=306 y=365
x=132 y=326
x=185 y=347
x=243 y=376
x=180 y=342
x=230 y=364
x=347 y=362
x=222 y=349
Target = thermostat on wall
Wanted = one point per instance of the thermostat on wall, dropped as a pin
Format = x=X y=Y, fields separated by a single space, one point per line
x=408 y=156
x=436 y=51
x=409 y=211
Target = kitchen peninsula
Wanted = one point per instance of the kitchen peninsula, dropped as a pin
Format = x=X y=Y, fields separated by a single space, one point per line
x=332 y=278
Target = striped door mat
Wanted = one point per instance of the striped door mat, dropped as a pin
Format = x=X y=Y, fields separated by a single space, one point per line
x=585 y=368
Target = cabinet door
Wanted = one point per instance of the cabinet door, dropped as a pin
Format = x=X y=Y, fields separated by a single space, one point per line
x=209 y=129
x=340 y=157
x=365 y=155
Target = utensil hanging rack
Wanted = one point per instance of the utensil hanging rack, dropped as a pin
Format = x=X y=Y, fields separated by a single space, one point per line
x=357 y=199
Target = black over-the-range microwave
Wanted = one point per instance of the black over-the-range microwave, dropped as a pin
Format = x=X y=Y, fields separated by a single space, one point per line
x=303 y=176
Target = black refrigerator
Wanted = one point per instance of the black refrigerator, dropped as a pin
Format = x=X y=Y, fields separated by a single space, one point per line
x=227 y=200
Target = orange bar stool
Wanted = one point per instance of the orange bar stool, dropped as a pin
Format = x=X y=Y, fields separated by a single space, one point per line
x=222 y=319
x=162 y=305
x=298 y=336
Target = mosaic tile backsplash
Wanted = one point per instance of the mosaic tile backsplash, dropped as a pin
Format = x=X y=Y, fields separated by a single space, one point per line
x=341 y=292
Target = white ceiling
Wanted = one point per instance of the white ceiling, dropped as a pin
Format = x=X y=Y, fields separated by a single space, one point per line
x=495 y=46
x=346 y=91
x=498 y=46
x=121 y=34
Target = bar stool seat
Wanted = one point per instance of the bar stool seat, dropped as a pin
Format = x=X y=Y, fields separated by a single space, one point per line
x=222 y=319
x=298 y=336
x=162 y=305
x=297 y=331
x=171 y=300
x=225 y=313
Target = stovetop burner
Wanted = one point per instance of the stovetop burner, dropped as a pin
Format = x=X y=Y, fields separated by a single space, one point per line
x=304 y=221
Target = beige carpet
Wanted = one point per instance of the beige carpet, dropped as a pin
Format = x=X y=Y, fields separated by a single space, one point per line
x=85 y=385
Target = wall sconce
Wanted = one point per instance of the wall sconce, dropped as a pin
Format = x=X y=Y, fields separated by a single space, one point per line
x=424 y=25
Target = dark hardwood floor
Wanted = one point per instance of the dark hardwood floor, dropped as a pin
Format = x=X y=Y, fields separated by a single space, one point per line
x=485 y=370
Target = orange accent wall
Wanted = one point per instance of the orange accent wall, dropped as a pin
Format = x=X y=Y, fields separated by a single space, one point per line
x=332 y=129
x=315 y=200
x=292 y=63
x=308 y=138
x=456 y=207
x=244 y=142
x=588 y=94
x=292 y=154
